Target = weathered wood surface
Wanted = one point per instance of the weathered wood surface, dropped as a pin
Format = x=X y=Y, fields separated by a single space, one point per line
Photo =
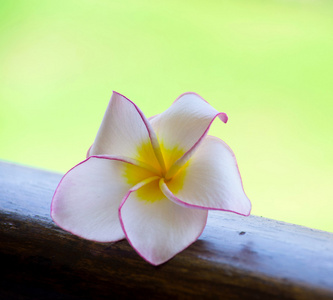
x=235 y=258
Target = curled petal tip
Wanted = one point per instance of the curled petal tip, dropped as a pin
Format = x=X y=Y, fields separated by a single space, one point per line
x=223 y=117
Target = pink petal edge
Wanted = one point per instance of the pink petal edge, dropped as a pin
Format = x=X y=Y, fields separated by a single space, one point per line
x=223 y=117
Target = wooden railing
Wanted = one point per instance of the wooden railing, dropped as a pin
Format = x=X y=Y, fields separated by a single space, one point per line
x=235 y=258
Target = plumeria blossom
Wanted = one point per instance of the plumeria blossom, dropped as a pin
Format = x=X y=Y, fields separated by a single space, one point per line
x=151 y=181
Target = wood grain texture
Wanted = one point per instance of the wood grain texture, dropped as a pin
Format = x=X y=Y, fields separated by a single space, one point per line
x=235 y=257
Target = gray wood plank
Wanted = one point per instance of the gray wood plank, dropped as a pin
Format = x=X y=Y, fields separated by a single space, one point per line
x=235 y=258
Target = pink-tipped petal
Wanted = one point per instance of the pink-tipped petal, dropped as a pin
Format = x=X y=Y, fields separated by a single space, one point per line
x=211 y=180
x=125 y=131
x=159 y=229
x=181 y=126
x=87 y=199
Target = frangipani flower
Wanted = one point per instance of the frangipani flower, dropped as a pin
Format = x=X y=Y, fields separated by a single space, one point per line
x=151 y=181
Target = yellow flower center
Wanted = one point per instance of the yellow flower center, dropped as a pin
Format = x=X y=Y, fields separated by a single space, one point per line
x=173 y=175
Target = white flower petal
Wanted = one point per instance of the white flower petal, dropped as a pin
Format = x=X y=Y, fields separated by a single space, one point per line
x=185 y=122
x=87 y=199
x=156 y=227
x=126 y=131
x=210 y=180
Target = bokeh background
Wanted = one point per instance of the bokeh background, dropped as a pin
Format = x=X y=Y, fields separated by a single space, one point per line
x=267 y=64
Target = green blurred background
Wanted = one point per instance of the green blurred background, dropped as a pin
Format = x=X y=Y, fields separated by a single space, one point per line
x=267 y=64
